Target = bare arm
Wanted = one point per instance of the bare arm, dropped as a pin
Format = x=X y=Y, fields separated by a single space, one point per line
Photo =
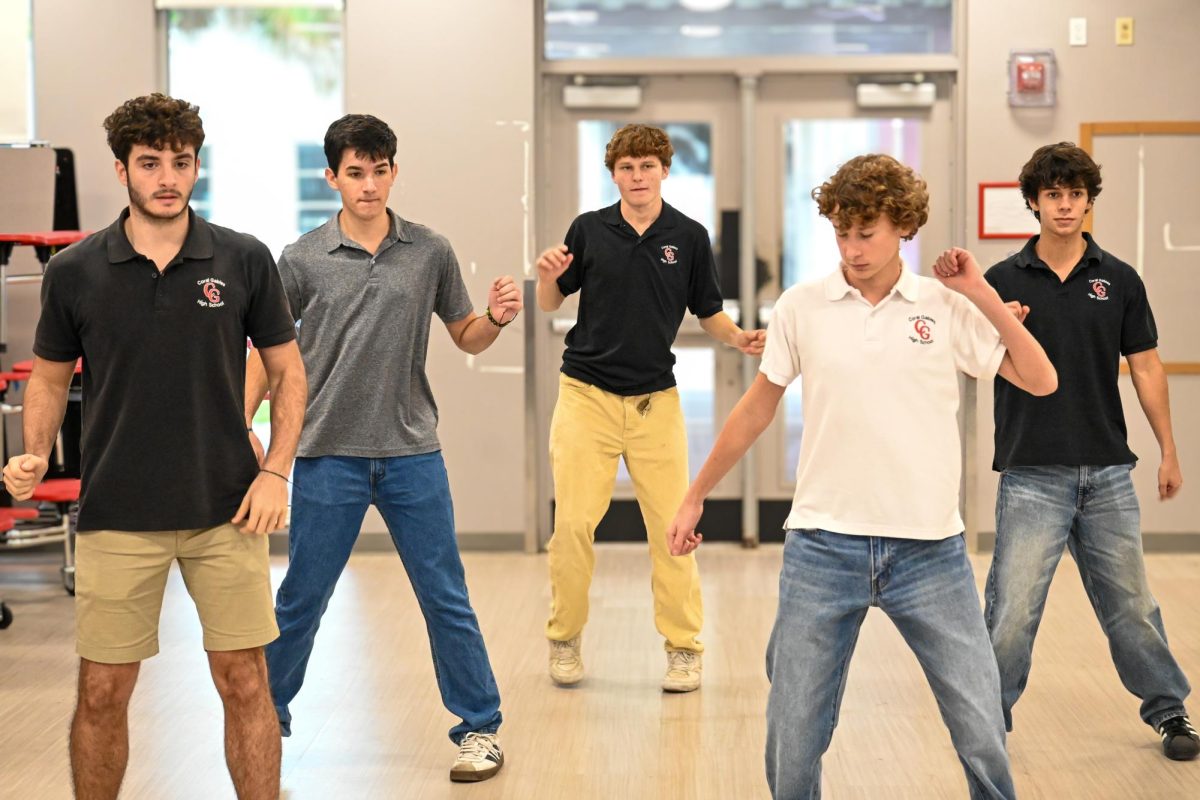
x=720 y=327
x=474 y=333
x=1025 y=363
x=45 y=405
x=256 y=385
x=1150 y=383
x=264 y=508
x=750 y=417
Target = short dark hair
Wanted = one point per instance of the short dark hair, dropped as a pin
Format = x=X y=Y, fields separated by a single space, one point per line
x=870 y=186
x=368 y=136
x=156 y=121
x=1064 y=165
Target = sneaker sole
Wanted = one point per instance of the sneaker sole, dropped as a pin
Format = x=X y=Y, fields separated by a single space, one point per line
x=566 y=681
x=1185 y=753
x=679 y=689
x=474 y=776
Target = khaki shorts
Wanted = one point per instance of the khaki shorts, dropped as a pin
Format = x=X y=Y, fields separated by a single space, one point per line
x=120 y=577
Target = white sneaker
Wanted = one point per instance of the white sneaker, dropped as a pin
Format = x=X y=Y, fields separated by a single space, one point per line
x=479 y=758
x=566 y=663
x=683 y=671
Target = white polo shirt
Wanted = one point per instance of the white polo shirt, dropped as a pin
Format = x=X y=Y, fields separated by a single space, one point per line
x=881 y=453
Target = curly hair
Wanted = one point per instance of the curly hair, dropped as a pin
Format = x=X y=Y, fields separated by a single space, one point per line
x=155 y=121
x=1063 y=165
x=637 y=141
x=866 y=187
x=368 y=136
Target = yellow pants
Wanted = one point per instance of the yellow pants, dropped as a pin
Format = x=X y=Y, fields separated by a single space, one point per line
x=591 y=429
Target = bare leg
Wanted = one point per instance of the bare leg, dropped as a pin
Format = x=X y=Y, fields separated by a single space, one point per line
x=100 y=728
x=252 y=744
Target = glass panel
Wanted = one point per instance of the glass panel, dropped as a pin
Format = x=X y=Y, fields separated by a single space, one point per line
x=598 y=29
x=689 y=187
x=16 y=71
x=274 y=90
x=695 y=376
x=815 y=149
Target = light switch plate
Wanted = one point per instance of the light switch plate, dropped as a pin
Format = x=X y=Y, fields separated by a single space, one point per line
x=1077 y=31
x=1124 y=30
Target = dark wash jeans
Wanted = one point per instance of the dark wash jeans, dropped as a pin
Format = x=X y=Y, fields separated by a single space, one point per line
x=329 y=500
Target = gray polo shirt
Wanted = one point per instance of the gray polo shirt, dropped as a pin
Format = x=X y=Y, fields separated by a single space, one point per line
x=364 y=332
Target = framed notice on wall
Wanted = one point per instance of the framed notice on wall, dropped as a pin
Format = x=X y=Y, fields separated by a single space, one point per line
x=1002 y=212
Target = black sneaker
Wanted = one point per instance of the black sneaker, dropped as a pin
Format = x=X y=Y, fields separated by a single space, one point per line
x=1180 y=742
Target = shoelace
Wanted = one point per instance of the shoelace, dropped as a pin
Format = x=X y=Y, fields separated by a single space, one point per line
x=1177 y=726
x=683 y=660
x=564 y=652
x=477 y=747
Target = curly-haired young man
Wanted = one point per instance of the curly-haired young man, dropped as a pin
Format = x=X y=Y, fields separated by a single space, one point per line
x=875 y=518
x=1064 y=460
x=638 y=266
x=160 y=305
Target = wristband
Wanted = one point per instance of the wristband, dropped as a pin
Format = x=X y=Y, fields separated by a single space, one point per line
x=493 y=320
x=276 y=474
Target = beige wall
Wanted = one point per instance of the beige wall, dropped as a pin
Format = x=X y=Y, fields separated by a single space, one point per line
x=458 y=90
x=1155 y=79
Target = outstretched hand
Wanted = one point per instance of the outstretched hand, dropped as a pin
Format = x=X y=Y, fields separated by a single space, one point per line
x=23 y=473
x=751 y=342
x=682 y=537
x=554 y=262
x=504 y=299
x=957 y=269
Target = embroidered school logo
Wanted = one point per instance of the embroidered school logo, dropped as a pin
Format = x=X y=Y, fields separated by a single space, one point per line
x=669 y=251
x=922 y=329
x=1099 y=289
x=211 y=289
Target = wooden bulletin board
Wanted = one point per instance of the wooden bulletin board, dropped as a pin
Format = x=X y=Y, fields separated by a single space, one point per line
x=1088 y=133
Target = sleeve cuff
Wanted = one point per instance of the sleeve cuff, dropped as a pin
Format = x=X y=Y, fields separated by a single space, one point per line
x=273 y=339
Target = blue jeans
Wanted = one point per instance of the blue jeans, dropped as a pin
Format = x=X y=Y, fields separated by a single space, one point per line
x=829 y=580
x=1092 y=511
x=329 y=500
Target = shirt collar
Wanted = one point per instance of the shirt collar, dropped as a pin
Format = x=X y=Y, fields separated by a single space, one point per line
x=667 y=218
x=197 y=245
x=332 y=236
x=1028 y=256
x=837 y=287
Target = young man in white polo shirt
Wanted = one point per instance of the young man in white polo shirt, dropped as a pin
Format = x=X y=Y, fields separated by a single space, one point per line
x=875 y=518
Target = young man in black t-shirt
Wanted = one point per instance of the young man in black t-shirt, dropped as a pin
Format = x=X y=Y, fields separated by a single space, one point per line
x=639 y=265
x=159 y=306
x=1064 y=458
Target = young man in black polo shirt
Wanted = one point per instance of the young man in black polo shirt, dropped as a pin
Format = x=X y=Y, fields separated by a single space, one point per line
x=1064 y=458
x=638 y=265
x=159 y=306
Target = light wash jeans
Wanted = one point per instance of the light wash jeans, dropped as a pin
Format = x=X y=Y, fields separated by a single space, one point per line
x=1093 y=512
x=829 y=581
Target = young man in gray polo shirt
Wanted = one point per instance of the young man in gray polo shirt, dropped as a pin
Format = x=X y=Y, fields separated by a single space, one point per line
x=364 y=287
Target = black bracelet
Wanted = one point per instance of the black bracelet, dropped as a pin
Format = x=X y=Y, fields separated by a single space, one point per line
x=276 y=474
x=492 y=319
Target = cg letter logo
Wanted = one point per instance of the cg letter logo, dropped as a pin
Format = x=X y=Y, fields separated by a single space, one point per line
x=923 y=328
x=211 y=289
x=1099 y=289
x=668 y=251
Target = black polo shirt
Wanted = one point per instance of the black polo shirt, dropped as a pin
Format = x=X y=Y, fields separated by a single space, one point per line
x=1085 y=324
x=164 y=364
x=635 y=290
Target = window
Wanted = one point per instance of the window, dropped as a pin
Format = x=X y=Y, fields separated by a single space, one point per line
x=598 y=29
x=16 y=71
x=268 y=82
